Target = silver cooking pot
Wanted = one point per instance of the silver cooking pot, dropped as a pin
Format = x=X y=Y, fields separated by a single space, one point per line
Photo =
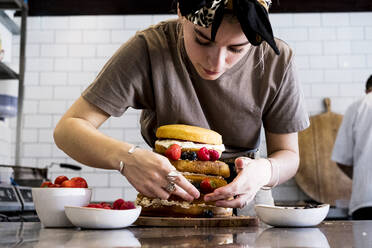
x=33 y=176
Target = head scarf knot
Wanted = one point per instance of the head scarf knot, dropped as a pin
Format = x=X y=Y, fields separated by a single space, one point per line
x=251 y=14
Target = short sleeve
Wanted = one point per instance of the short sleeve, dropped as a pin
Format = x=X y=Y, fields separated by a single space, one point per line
x=125 y=80
x=344 y=144
x=287 y=113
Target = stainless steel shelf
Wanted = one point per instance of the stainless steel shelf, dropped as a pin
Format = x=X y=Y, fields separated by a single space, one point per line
x=9 y=23
x=11 y=4
x=7 y=73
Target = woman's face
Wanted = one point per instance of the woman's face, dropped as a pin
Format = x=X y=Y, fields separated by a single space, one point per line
x=212 y=58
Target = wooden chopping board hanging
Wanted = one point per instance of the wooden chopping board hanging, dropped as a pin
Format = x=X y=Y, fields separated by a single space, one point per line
x=318 y=176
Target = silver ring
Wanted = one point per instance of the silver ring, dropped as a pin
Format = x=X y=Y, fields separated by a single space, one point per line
x=170 y=187
x=121 y=167
x=173 y=176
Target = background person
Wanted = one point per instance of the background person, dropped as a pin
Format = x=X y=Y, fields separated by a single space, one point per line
x=353 y=153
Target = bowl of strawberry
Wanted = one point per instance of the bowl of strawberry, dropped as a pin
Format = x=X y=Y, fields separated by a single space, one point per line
x=104 y=215
x=64 y=182
x=51 y=198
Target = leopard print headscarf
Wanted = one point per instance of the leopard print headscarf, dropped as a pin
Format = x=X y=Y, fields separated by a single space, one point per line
x=252 y=15
x=204 y=17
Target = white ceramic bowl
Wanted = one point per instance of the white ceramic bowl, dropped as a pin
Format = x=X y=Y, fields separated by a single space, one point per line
x=98 y=218
x=291 y=216
x=50 y=204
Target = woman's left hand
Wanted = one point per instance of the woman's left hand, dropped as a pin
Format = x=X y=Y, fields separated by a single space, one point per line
x=252 y=175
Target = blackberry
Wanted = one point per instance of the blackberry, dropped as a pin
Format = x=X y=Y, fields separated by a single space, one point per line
x=192 y=156
x=189 y=156
x=196 y=185
x=208 y=214
x=184 y=155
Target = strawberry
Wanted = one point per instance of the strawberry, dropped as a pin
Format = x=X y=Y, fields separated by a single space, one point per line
x=92 y=205
x=60 y=179
x=206 y=186
x=214 y=155
x=79 y=182
x=203 y=154
x=69 y=184
x=54 y=185
x=117 y=203
x=127 y=205
x=46 y=184
x=173 y=152
x=105 y=205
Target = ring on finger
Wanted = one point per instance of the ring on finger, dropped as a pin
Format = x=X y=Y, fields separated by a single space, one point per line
x=173 y=176
x=171 y=187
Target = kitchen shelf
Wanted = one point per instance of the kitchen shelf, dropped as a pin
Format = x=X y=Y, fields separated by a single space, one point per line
x=9 y=23
x=7 y=73
x=11 y=4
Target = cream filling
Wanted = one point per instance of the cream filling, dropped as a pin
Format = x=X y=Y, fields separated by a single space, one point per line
x=189 y=145
x=147 y=202
x=198 y=174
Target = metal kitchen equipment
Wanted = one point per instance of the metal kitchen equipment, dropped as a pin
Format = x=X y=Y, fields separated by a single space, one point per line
x=9 y=200
x=16 y=204
x=34 y=176
x=25 y=195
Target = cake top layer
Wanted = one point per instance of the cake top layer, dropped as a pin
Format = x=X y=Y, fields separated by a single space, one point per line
x=189 y=133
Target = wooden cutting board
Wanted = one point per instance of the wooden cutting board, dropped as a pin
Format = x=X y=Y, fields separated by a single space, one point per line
x=233 y=221
x=318 y=176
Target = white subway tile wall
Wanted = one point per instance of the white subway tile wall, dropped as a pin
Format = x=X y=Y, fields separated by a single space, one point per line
x=64 y=54
x=5 y=139
x=5 y=151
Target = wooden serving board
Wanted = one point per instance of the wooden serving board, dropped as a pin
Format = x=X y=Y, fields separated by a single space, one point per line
x=318 y=176
x=232 y=221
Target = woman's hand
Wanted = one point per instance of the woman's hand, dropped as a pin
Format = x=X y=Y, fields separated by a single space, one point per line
x=252 y=175
x=147 y=172
x=255 y=173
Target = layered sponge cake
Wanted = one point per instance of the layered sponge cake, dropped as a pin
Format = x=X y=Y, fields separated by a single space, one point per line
x=194 y=151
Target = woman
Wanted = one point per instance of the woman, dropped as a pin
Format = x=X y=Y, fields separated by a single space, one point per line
x=209 y=68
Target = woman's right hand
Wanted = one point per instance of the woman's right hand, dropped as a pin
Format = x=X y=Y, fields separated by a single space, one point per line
x=147 y=172
x=78 y=136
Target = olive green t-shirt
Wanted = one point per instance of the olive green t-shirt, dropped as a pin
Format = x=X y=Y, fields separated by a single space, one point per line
x=152 y=72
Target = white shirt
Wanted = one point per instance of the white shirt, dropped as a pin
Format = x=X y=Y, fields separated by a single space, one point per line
x=353 y=146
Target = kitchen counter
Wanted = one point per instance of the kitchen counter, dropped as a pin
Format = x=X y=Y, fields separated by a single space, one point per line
x=328 y=234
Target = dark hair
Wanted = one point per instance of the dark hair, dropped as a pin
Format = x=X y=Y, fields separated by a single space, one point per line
x=369 y=83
